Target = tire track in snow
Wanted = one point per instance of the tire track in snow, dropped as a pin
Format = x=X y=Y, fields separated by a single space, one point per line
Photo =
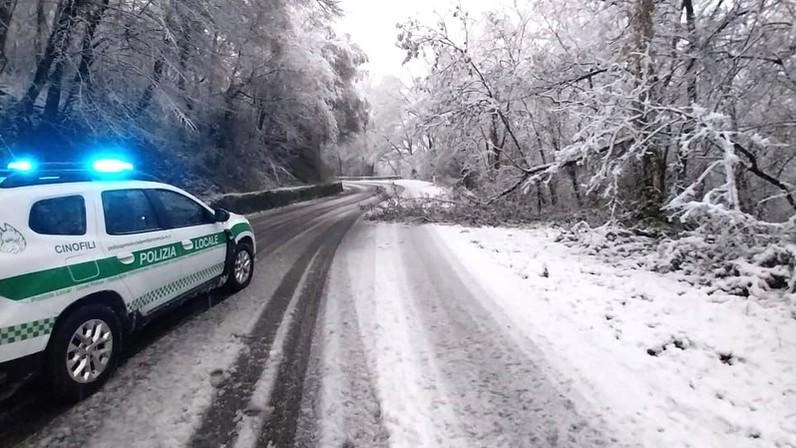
x=341 y=405
x=279 y=428
x=219 y=425
x=219 y=420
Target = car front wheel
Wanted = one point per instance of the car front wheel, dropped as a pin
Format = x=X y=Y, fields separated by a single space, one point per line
x=84 y=351
x=242 y=268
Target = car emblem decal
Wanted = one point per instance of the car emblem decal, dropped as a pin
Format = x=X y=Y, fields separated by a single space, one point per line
x=11 y=240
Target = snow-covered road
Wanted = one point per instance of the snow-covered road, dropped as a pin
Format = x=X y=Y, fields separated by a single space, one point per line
x=362 y=334
x=192 y=376
x=410 y=352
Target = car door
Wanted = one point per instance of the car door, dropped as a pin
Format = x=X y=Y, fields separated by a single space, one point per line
x=145 y=252
x=61 y=222
x=202 y=240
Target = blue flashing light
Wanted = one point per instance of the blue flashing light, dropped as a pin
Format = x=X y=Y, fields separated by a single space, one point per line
x=111 y=166
x=22 y=166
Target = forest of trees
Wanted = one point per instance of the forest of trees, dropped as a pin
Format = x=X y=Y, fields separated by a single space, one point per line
x=640 y=108
x=236 y=94
x=644 y=109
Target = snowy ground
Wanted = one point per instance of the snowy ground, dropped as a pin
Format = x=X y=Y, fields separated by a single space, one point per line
x=408 y=188
x=445 y=336
x=410 y=352
x=419 y=188
x=665 y=363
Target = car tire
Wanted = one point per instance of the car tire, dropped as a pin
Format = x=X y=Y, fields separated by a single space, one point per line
x=242 y=268
x=83 y=352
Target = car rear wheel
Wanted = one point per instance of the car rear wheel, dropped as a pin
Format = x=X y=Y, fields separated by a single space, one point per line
x=83 y=351
x=242 y=268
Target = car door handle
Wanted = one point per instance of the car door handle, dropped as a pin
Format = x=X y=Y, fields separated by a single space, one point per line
x=126 y=258
x=187 y=244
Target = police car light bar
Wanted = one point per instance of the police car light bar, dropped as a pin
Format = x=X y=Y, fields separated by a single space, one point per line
x=21 y=165
x=111 y=166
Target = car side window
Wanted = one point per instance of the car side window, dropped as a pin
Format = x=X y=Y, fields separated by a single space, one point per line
x=179 y=210
x=59 y=216
x=128 y=212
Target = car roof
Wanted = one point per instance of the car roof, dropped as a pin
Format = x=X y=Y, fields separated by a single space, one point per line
x=82 y=187
x=62 y=173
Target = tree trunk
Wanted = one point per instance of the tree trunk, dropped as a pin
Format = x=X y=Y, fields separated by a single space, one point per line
x=653 y=167
x=339 y=163
x=744 y=196
x=54 y=53
x=550 y=187
x=225 y=129
x=742 y=185
x=572 y=172
x=6 y=13
x=41 y=30
x=83 y=78
x=691 y=71
x=540 y=202
x=146 y=97
x=681 y=164
x=653 y=173
x=495 y=148
x=556 y=148
x=185 y=44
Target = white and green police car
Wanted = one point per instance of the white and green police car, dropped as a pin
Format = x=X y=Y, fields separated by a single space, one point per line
x=87 y=255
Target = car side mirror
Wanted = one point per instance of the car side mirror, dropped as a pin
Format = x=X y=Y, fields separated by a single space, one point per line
x=221 y=215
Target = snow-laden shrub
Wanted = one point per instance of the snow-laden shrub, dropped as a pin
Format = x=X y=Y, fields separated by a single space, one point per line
x=733 y=260
x=765 y=275
x=609 y=240
x=675 y=254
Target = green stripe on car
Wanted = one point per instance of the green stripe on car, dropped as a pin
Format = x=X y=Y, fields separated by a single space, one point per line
x=37 y=283
x=27 y=330
x=239 y=228
x=43 y=327
x=176 y=288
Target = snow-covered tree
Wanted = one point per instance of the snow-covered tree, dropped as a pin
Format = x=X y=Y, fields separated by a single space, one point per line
x=654 y=108
x=204 y=84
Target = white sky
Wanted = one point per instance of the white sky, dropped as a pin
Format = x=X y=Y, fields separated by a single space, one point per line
x=371 y=24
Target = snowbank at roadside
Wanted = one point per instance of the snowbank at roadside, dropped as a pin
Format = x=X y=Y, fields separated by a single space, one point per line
x=665 y=362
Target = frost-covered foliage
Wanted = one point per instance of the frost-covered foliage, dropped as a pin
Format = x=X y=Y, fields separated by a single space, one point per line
x=675 y=115
x=750 y=264
x=656 y=109
x=196 y=86
x=391 y=144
